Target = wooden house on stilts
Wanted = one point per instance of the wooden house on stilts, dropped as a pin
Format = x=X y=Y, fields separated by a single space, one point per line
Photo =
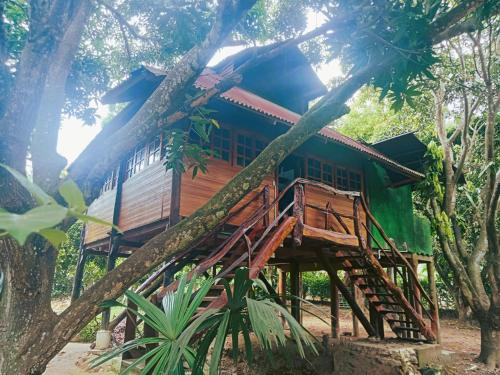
x=334 y=204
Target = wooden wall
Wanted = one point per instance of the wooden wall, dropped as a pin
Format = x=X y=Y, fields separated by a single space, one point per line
x=145 y=197
x=195 y=193
x=102 y=208
x=342 y=204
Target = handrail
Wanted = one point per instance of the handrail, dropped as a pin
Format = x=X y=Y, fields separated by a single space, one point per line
x=396 y=252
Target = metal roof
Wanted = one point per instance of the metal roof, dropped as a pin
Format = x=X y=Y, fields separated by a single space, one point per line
x=244 y=98
x=152 y=77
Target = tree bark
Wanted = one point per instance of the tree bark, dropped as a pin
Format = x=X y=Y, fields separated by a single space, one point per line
x=92 y=163
x=490 y=343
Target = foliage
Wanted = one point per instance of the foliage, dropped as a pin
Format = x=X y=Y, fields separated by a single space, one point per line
x=89 y=332
x=372 y=119
x=47 y=214
x=316 y=285
x=186 y=336
x=95 y=266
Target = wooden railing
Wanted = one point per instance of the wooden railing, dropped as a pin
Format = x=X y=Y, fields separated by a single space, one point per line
x=246 y=239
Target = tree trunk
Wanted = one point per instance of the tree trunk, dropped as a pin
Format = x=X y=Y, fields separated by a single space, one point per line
x=490 y=343
x=25 y=312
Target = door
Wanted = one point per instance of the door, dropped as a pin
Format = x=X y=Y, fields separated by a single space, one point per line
x=290 y=169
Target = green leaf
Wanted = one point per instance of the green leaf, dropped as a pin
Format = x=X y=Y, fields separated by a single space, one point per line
x=55 y=236
x=93 y=219
x=21 y=226
x=38 y=194
x=73 y=196
x=219 y=344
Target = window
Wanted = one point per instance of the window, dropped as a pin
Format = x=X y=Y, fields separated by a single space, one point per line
x=319 y=171
x=354 y=181
x=140 y=160
x=348 y=180
x=110 y=181
x=221 y=144
x=154 y=150
x=136 y=162
x=247 y=149
x=341 y=179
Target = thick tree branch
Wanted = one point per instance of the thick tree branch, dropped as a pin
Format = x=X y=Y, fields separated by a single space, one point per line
x=178 y=82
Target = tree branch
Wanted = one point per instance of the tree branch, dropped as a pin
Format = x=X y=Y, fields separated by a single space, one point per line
x=122 y=21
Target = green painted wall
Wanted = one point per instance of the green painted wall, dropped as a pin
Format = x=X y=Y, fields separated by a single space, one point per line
x=393 y=209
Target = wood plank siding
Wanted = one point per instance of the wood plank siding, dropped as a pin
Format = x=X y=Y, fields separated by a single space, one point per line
x=196 y=192
x=343 y=205
x=102 y=208
x=146 y=197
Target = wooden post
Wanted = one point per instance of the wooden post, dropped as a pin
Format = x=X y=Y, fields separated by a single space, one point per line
x=435 y=325
x=266 y=202
x=347 y=294
x=334 y=308
x=282 y=285
x=298 y=213
x=80 y=268
x=130 y=326
x=295 y=290
x=415 y=290
x=355 y=321
x=114 y=247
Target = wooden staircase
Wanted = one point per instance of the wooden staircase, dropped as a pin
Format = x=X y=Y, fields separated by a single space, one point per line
x=254 y=242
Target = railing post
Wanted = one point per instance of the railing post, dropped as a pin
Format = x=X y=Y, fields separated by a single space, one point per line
x=265 y=199
x=435 y=326
x=130 y=326
x=327 y=212
x=298 y=213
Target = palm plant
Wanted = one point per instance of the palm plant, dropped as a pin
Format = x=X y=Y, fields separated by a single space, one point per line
x=185 y=337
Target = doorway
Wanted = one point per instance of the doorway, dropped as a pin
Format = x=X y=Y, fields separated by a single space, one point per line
x=290 y=169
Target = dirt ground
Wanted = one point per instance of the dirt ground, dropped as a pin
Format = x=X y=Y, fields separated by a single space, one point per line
x=464 y=341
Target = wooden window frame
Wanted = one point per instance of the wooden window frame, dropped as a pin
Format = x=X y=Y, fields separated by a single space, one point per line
x=255 y=138
x=348 y=172
x=322 y=164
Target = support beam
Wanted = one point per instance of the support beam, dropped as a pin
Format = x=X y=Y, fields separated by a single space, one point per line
x=435 y=325
x=282 y=285
x=295 y=290
x=110 y=264
x=347 y=294
x=334 y=308
x=80 y=268
x=355 y=321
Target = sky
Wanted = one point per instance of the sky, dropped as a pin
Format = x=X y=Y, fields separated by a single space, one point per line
x=74 y=136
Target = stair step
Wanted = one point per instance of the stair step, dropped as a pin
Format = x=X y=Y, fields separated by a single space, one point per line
x=398 y=320
x=385 y=303
x=387 y=311
x=379 y=294
x=412 y=329
x=210 y=298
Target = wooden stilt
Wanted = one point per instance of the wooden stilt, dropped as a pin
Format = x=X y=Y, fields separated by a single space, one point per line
x=111 y=262
x=355 y=321
x=80 y=268
x=130 y=326
x=282 y=285
x=416 y=291
x=334 y=308
x=435 y=325
x=295 y=290
x=347 y=294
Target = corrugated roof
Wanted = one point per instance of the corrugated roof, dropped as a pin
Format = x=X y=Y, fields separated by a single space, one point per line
x=244 y=98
